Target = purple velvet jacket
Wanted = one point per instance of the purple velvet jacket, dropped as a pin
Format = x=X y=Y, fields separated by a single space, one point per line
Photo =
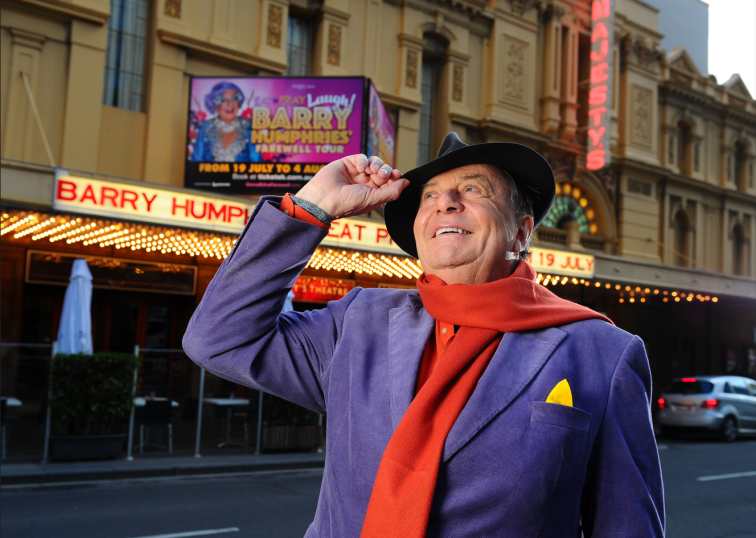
x=512 y=465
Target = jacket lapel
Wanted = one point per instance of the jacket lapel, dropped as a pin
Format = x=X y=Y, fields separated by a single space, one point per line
x=517 y=360
x=409 y=329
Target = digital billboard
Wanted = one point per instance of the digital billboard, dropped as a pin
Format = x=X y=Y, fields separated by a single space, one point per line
x=381 y=135
x=249 y=133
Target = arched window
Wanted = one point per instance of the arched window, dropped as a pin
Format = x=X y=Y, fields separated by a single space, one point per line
x=739 y=253
x=572 y=205
x=680 y=245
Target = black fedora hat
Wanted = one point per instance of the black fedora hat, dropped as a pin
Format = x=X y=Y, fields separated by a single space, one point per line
x=526 y=166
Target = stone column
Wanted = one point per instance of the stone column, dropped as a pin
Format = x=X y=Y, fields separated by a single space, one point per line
x=330 y=58
x=274 y=17
x=83 y=105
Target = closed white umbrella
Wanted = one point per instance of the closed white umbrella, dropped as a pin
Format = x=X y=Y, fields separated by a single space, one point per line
x=288 y=305
x=75 y=332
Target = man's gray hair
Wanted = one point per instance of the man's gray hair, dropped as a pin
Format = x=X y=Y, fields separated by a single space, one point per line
x=519 y=203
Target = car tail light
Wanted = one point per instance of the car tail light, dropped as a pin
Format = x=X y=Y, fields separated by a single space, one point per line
x=688 y=379
x=662 y=403
x=710 y=404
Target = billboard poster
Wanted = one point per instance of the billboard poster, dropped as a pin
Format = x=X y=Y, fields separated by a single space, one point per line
x=381 y=136
x=270 y=132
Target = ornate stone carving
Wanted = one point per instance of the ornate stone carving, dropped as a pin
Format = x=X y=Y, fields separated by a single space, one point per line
x=172 y=8
x=520 y=7
x=275 y=26
x=457 y=82
x=334 y=44
x=551 y=11
x=645 y=53
x=514 y=85
x=737 y=101
x=679 y=77
x=411 y=74
x=610 y=179
x=639 y=187
x=642 y=115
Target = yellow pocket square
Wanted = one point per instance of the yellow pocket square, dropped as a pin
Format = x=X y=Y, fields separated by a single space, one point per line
x=561 y=394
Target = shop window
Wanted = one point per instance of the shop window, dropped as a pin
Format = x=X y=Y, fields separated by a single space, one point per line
x=299 y=45
x=433 y=54
x=681 y=230
x=739 y=251
x=126 y=54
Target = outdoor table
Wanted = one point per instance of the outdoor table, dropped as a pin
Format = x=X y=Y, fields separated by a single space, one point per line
x=140 y=402
x=228 y=402
x=12 y=402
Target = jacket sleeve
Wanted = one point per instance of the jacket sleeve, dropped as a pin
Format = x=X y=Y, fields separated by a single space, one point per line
x=238 y=331
x=624 y=493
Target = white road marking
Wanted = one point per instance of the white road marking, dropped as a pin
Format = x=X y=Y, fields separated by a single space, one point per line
x=194 y=533
x=662 y=447
x=725 y=476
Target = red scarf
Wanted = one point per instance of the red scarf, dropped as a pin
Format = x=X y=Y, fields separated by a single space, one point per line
x=401 y=499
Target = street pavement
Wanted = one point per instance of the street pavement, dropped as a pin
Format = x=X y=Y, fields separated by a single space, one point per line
x=271 y=504
x=723 y=504
x=282 y=503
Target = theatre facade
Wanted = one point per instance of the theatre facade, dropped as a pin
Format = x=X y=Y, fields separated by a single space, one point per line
x=113 y=151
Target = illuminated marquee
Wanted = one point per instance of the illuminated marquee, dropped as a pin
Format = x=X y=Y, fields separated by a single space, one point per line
x=146 y=204
x=321 y=290
x=559 y=262
x=599 y=98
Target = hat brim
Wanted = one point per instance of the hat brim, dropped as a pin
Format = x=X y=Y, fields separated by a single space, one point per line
x=526 y=166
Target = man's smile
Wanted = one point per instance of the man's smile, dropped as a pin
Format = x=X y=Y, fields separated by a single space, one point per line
x=445 y=229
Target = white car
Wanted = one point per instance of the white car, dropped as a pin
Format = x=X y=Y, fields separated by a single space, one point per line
x=724 y=404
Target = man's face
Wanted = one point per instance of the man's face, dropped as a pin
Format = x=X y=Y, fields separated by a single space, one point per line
x=465 y=226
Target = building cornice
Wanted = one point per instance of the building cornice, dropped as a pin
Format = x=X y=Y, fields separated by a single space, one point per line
x=94 y=11
x=230 y=55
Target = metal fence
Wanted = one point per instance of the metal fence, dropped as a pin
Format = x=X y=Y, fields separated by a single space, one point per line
x=208 y=412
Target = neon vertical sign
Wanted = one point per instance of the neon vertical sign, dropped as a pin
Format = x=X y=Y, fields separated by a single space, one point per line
x=599 y=98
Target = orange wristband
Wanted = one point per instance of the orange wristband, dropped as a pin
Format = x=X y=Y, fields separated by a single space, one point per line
x=293 y=210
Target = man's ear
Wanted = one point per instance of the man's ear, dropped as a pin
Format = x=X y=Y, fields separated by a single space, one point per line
x=524 y=233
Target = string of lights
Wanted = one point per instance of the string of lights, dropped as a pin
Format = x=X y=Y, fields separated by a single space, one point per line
x=122 y=235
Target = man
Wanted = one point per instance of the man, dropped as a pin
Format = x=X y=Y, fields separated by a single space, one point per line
x=481 y=405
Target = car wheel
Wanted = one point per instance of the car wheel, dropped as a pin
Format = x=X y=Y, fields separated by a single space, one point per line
x=729 y=429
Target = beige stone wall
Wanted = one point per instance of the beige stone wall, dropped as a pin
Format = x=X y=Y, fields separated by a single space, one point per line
x=512 y=71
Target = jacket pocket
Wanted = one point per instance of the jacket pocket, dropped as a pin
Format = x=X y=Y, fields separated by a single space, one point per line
x=560 y=415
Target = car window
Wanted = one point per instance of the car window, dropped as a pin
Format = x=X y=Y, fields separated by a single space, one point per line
x=752 y=386
x=690 y=387
x=728 y=388
x=740 y=388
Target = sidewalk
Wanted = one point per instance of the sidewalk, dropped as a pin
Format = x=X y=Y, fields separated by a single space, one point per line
x=50 y=473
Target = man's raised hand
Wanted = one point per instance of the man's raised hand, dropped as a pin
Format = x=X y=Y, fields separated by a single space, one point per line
x=353 y=185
